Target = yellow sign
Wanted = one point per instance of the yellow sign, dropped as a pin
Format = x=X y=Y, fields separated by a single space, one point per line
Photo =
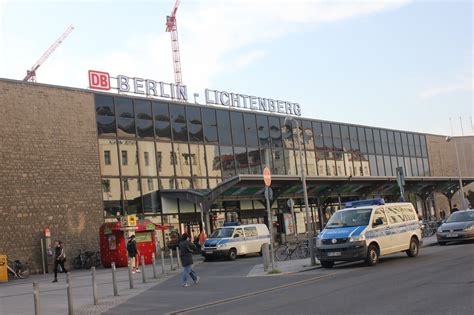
x=132 y=220
x=3 y=269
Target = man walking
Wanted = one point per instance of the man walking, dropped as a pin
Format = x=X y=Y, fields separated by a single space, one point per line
x=186 y=249
x=59 y=258
x=454 y=209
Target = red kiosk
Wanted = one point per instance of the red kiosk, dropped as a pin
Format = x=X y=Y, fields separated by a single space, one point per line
x=113 y=242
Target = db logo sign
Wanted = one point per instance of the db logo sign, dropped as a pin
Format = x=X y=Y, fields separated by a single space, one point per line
x=99 y=80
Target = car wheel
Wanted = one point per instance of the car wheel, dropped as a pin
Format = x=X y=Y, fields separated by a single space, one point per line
x=441 y=243
x=412 y=251
x=372 y=255
x=327 y=263
x=232 y=255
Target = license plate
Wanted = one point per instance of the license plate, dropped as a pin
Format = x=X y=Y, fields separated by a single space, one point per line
x=332 y=254
x=208 y=251
x=452 y=235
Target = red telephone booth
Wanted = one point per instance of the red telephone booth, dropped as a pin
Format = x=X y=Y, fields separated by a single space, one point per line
x=113 y=243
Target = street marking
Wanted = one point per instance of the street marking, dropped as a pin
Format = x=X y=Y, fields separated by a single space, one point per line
x=243 y=296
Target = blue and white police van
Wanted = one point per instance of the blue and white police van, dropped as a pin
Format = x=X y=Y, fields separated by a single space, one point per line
x=367 y=230
x=234 y=239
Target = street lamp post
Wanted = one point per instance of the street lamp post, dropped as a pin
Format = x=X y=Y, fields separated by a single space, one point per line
x=305 y=195
x=461 y=190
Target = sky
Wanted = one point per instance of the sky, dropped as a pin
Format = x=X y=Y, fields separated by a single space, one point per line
x=397 y=64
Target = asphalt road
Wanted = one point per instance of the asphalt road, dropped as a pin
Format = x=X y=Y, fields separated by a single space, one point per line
x=439 y=281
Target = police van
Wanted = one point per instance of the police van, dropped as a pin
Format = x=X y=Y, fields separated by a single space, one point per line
x=368 y=229
x=234 y=239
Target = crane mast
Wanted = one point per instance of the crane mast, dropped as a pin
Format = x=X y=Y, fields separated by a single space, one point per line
x=172 y=28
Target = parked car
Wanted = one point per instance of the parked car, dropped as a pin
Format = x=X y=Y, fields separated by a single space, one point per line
x=368 y=229
x=458 y=227
x=235 y=239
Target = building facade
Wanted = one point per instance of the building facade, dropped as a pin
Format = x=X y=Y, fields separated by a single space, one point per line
x=76 y=158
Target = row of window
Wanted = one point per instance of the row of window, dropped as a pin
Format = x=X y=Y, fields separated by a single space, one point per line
x=394 y=215
x=134 y=118
x=164 y=159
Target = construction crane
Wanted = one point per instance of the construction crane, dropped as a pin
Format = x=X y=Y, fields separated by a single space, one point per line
x=31 y=74
x=172 y=28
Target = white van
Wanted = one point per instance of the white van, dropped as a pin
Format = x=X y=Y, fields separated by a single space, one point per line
x=233 y=239
x=368 y=229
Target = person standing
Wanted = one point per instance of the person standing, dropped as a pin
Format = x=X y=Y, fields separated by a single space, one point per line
x=186 y=249
x=59 y=258
x=132 y=252
x=454 y=209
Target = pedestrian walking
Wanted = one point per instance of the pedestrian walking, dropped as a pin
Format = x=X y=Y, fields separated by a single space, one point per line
x=454 y=209
x=469 y=207
x=133 y=254
x=202 y=238
x=186 y=249
x=59 y=258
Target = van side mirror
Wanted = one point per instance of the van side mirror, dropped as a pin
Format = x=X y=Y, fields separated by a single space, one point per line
x=378 y=222
x=236 y=235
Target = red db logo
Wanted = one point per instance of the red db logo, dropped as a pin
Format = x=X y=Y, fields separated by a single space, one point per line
x=99 y=80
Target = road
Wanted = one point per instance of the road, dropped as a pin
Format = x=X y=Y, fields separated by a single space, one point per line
x=439 y=281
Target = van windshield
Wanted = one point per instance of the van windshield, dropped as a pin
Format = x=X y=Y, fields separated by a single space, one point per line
x=221 y=233
x=354 y=217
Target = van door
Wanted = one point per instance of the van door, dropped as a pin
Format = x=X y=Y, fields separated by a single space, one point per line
x=239 y=241
x=398 y=226
x=251 y=239
x=381 y=231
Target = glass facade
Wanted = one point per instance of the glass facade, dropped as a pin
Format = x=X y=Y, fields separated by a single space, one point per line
x=149 y=145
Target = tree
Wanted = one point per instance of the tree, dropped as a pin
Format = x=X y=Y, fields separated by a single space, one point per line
x=470 y=197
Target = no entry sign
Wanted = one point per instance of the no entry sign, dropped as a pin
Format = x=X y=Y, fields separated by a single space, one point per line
x=267 y=176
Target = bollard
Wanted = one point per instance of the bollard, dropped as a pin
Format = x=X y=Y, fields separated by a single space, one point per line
x=171 y=259
x=130 y=277
x=114 y=280
x=95 y=293
x=265 y=256
x=143 y=269
x=153 y=261
x=178 y=257
x=162 y=262
x=36 y=296
x=69 y=294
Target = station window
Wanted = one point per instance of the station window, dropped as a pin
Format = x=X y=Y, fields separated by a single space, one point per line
x=107 y=160
x=124 y=158
x=238 y=130
x=223 y=127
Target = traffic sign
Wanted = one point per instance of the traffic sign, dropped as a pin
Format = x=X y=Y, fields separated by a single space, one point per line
x=267 y=176
x=290 y=203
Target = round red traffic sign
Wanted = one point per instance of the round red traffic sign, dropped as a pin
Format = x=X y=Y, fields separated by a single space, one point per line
x=267 y=176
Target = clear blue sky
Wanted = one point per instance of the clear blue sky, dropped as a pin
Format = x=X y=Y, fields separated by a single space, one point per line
x=396 y=64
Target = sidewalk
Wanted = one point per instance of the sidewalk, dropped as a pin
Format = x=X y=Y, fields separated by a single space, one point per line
x=301 y=265
x=16 y=296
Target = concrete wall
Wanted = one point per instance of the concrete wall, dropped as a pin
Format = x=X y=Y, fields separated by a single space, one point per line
x=49 y=174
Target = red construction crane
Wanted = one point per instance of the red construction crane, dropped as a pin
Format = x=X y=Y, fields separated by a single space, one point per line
x=31 y=74
x=173 y=29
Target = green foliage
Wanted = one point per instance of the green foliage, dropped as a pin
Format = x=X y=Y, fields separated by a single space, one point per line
x=470 y=197
x=274 y=271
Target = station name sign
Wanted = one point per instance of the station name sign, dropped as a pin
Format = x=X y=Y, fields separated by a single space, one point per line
x=99 y=80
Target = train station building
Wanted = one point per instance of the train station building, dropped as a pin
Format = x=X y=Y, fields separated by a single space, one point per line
x=72 y=159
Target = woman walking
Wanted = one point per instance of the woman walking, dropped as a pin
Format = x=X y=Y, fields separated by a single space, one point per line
x=186 y=249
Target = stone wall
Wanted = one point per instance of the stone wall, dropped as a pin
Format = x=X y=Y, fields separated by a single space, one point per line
x=49 y=173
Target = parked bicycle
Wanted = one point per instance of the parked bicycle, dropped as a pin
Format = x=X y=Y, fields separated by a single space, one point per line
x=429 y=228
x=17 y=269
x=287 y=252
x=86 y=260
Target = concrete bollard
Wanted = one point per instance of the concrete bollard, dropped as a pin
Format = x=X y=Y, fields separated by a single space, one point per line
x=153 y=264
x=36 y=296
x=95 y=293
x=130 y=277
x=178 y=256
x=114 y=280
x=143 y=269
x=265 y=255
x=171 y=259
x=70 y=306
x=162 y=262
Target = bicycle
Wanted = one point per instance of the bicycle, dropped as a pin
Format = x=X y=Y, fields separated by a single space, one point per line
x=17 y=269
x=284 y=251
x=429 y=228
x=86 y=260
